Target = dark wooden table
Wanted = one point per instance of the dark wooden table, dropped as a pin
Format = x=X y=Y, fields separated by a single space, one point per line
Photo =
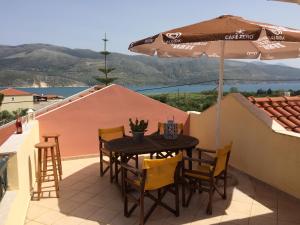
x=127 y=146
x=152 y=144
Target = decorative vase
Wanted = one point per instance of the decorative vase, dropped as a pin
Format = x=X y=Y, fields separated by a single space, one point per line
x=138 y=136
x=171 y=130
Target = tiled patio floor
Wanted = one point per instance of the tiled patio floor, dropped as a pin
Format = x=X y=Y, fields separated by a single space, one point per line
x=87 y=199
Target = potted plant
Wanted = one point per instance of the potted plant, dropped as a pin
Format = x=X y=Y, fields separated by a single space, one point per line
x=138 y=128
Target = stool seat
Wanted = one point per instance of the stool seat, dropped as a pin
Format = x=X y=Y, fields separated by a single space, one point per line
x=45 y=145
x=50 y=135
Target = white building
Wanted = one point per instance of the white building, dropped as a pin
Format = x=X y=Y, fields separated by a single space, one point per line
x=15 y=99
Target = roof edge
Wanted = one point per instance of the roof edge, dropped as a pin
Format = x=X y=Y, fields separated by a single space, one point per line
x=261 y=115
x=69 y=100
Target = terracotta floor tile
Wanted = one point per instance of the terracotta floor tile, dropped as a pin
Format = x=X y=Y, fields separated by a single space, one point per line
x=120 y=219
x=49 y=217
x=235 y=218
x=33 y=223
x=239 y=207
x=89 y=222
x=69 y=220
x=261 y=210
x=104 y=215
x=84 y=211
x=82 y=197
x=201 y=218
x=67 y=193
x=263 y=220
x=35 y=211
x=287 y=223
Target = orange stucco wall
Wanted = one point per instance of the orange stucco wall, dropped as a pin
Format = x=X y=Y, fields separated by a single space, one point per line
x=77 y=122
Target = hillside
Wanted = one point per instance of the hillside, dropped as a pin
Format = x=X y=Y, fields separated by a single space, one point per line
x=49 y=65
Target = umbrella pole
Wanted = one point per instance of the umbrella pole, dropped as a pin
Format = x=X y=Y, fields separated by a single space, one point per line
x=220 y=94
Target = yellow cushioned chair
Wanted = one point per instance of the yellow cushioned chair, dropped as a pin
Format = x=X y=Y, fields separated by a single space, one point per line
x=105 y=135
x=159 y=175
x=206 y=174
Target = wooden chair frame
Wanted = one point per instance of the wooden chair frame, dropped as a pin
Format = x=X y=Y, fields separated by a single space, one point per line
x=209 y=185
x=114 y=158
x=131 y=187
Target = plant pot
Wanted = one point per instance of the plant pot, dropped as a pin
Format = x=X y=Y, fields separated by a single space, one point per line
x=138 y=136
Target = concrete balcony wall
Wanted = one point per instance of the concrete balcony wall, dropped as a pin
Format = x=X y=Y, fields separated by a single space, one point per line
x=21 y=174
x=261 y=147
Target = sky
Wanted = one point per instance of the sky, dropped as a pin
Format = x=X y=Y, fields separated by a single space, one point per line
x=82 y=23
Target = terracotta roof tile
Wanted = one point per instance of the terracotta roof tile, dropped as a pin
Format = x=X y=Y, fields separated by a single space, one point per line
x=285 y=110
x=14 y=92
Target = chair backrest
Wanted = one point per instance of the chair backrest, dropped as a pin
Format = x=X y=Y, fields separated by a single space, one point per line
x=161 y=128
x=160 y=172
x=108 y=134
x=222 y=158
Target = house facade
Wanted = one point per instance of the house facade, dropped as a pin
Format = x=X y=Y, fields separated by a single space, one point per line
x=15 y=99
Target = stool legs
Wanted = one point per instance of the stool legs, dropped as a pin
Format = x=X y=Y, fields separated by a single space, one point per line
x=39 y=175
x=54 y=172
x=58 y=158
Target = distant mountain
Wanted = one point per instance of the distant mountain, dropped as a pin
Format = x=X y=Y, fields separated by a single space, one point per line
x=49 y=65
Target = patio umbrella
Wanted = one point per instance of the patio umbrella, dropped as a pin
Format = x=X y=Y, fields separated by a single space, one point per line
x=225 y=37
x=290 y=1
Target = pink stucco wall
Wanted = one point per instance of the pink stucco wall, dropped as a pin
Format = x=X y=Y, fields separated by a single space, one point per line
x=78 y=121
x=6 y=132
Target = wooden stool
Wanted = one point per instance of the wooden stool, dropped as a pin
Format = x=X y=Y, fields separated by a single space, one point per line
x=42 y=170
x=58 y=158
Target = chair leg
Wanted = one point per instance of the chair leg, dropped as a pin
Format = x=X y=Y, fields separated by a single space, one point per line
x=116 y=168
x=225 y=186
x=176 y=199
x=111 y=161
x=151 y=155
x=137 y=161
x=101 y=164
x=183 y=193
x=192 y=190
x=124 y=184
x=200 y=187
x=211 y=191
x=142 y=219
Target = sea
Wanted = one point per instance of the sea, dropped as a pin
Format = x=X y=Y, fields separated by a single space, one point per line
x=68 y=91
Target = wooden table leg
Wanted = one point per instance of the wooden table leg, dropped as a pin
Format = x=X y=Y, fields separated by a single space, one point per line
x=123 y=160
x=189 y=153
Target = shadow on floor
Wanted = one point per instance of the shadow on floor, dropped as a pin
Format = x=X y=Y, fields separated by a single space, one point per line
x=86 y=198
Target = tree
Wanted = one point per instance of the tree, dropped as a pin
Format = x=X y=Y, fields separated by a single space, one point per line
x=233 y=90
x=106 y=70
x=1 y=98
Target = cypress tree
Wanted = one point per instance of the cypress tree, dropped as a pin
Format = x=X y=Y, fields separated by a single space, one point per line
x=105 y=70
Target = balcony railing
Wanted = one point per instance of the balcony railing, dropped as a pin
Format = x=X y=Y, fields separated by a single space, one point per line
x=3 y=175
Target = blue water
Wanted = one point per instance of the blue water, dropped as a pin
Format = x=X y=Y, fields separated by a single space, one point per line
x=61 y=91
x=206 y=87
x=68 y=91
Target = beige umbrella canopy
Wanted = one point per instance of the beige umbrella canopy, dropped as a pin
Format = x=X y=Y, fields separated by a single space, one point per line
x=225 y=37
x=290 y=1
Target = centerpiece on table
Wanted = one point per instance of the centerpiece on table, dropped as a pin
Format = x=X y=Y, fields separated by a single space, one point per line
x=171 y=130
x=138 y=129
